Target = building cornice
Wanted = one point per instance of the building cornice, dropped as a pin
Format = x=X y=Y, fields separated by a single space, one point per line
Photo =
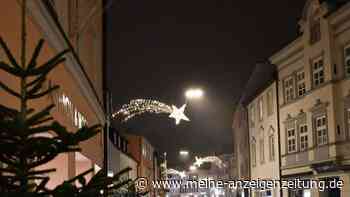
x=56 y=40
x=288 y=51
x=340 y=14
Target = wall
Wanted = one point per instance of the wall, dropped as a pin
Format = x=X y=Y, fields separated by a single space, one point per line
x=63 y=76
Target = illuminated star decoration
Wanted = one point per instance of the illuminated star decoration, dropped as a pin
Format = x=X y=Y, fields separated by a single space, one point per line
x=178 y=114
x=212 y=159
x=140 y=106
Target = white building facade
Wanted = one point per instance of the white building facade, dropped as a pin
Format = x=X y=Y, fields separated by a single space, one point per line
x=263 y=135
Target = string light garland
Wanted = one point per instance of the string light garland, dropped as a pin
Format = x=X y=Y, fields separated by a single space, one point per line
x=173 y=171
x=211 y=159
x=139 y=106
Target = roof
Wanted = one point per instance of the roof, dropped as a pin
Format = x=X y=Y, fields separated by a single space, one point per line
x=263 y=74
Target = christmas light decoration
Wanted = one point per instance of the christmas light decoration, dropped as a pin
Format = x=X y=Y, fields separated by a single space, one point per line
x=178 y=114
x=211 y=159
x=176 y=172
x=140 y=106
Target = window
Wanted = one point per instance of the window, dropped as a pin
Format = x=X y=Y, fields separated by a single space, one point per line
x=347 y=60
x=260 y=108
x=303 y=137
x=289 y=89
x=271 y=148
x=315 y=31
x=119 y=142
x=269 y=103
x=252 y=115
x=301 y=83
x=321 y=130
x=253 y=153
x=318 y=72
x=144 y=150
x=295 y=192
x=291 y=140
x=262 y=151
x=114 y=138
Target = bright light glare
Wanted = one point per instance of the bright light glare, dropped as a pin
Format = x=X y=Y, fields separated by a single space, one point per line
x=110 y=174
x=194 y=93
x=182 y=174
x=193 y=168
x=184 y=152
x=307 y=193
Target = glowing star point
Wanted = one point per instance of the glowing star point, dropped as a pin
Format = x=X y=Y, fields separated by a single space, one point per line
x=178 y=114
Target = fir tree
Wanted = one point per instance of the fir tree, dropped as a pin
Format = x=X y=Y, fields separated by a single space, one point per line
x=23 y=148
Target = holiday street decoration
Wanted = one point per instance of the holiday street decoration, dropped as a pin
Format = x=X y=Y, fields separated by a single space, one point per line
x=173 y=171
x=211 y=159
x=140 y=106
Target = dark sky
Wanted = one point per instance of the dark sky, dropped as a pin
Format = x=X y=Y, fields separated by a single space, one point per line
x=158 y=48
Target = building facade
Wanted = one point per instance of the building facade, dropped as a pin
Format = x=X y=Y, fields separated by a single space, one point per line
x=79 y=100
x=241 y=142
x=144 y=154
x=260 y=85
x=314 y=94
x=263 y=137
x=119 y=157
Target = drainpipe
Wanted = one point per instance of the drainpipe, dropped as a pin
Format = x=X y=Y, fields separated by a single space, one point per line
x=249 y=169
x=278 y=130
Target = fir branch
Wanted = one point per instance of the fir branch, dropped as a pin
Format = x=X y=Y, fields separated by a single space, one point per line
x=39 y=95
x=15 y=71
x=35 y=55
x=40 y=115
x=48 y=66
x=9 y=90
x=9 y=54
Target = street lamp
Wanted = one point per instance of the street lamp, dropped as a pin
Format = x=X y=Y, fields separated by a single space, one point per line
x=193 y=168
x=184 y=153
x=194 y=93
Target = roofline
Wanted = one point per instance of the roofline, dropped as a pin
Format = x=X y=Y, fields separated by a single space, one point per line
x=273 y=58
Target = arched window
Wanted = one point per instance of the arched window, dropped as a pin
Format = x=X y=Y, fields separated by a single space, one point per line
x=262 y=146
x=271 y=144
x=253 y=152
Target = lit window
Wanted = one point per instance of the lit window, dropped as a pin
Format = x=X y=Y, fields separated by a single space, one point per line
x=303 y=137
x=269 y=103
x=289 y=89
x=291 y=140
x=253 y=153
x=260 y=108
x=144 y=151
x=301 y=83
x=272 y=147
x=321 y=130
x=262 y=151
x=347 y=60
x=318 y=72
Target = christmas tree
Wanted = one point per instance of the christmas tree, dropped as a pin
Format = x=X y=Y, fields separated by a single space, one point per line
x=23 y=147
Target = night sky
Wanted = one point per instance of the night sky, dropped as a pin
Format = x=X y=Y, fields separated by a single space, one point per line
x=158 y=48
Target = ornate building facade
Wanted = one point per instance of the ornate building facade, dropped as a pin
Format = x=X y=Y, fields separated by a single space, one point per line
x=314 y=92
